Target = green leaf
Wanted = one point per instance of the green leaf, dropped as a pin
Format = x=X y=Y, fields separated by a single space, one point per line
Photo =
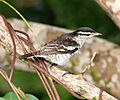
x=1 y=98
x=93 y=98
x=12 y=96
x=31 y=97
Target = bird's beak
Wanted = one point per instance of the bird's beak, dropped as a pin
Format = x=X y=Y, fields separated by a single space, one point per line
x=96 y=34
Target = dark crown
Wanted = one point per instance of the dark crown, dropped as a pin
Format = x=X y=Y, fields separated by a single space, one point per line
x=85 y=29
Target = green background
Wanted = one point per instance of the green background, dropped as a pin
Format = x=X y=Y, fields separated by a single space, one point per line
x=69 y=14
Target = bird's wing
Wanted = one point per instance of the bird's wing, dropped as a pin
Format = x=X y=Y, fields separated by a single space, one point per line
x=56 y=49
x=60 y=45
x=50 y=49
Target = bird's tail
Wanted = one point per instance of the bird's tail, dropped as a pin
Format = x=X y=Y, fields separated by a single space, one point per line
x=26 y=56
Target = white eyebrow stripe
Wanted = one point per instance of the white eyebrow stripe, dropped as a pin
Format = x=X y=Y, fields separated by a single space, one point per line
x=84 y=33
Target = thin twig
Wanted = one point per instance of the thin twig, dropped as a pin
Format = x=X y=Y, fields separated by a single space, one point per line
x=12 y=33
x=4 y=75
x=24 y=33
x=89 y=65
x=51 y=81
x=49 y=87
x=100 y=95
x=54 y=88
x=46 y=88
x=28 y=41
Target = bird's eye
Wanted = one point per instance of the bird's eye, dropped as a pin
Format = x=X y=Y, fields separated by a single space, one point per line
x=84 y=34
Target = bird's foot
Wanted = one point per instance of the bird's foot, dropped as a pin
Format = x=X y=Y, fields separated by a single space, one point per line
x=87 y=67
x=67 y=72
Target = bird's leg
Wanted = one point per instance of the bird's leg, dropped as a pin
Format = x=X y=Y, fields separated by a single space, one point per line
x=67 y=72
x=61 y=67
x=36 y=59
x=89 y=65
x=53 y=64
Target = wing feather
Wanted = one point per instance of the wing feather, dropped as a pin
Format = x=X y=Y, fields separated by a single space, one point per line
x=61 y=45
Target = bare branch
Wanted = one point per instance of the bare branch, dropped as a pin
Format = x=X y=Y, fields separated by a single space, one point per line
x=77 y=84
x=112 y=7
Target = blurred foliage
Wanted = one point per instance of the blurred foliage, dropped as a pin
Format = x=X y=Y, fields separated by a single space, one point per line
x=69 y=14
x=12 y=96
x=30 y=84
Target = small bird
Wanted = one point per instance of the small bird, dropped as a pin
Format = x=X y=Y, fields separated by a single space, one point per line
x=59 y=50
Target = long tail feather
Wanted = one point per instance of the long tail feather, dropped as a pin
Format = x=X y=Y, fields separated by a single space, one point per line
x=25 y=56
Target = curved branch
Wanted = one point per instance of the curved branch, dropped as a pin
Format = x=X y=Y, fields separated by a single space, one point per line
x=112 y=7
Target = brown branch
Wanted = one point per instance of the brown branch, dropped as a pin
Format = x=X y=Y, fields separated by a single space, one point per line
x=112 y=7
x=17 y=91
x=45 y=67
x=47 y=88
x=76 y=83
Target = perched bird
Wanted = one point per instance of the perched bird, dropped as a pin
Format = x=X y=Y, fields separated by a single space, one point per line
x=59 y=50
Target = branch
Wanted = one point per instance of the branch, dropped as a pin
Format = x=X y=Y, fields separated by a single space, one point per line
x=80 y=86
x=75 y=82
x=112 y=7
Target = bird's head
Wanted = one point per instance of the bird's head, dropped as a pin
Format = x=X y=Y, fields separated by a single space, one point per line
x=83 y=33
x=86 y=32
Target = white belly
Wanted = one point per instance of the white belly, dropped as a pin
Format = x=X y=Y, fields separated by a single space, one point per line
x=59 y=59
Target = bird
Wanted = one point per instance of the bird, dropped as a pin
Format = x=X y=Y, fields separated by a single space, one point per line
x=59 y=50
